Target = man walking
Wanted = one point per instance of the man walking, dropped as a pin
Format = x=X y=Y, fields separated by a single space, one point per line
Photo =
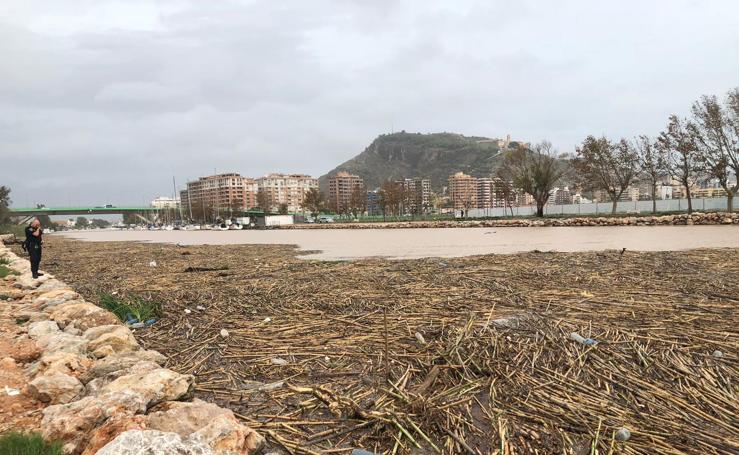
x=33 y=245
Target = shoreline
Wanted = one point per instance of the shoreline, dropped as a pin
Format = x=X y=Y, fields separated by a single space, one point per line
x=398 y=244
x=696 y=218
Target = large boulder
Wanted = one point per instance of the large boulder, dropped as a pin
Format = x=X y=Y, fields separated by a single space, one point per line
x=215 y=426
x=61 y=363
x=108 y=339
x=121 y=361
x=38 y=329
x=83 y=315
x=96 y=385
x=55 y=297
x=55 y=388
x=151 y=442
x=184 y=418
x=73 y=423
x=111 y=429
x=155 y=386
x=226 y=435
x=62 y=342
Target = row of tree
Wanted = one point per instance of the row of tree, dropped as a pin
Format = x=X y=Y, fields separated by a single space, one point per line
x=704 y=146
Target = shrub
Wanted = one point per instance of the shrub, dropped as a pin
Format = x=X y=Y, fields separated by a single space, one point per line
x=139 y=308
x=15 y=443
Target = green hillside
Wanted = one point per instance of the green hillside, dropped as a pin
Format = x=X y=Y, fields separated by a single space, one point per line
x=434 y=156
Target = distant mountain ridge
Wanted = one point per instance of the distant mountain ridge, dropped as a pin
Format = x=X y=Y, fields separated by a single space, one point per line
x=434 y=156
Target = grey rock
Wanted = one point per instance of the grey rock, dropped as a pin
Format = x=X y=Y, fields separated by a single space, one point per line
x=152 y=442
x=38 y=329
x=121 y=361
x=62 y=342
x=623 y=434
x=55 y=388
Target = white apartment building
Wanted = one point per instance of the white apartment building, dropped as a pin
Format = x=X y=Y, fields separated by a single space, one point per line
x=288 y=189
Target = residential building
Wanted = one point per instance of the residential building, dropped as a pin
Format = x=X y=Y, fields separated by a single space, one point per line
x=214 y=195
x=463 y=191
x=340 y=189
x=165 y=202
x=373 y=203
x=560 y=196
x=417 y=193
x=485 y=192
x=286 y=189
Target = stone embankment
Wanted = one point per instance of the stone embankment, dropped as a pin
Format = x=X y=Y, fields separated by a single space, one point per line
x=695 y=218
x=101 y=392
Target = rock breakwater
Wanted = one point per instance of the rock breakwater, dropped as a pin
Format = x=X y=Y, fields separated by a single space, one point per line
x=696 y=218
x=102 y=392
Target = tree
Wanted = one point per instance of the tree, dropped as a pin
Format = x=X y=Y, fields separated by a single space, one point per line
x=313 y=202
x=651 y=164
x=282 y=209
x=264 y=202
x=4 y=204
x=45 y=221
x=504 y=187
x=357 y=200
x=391 y=197
x=81 y=222
x=99 y=223
x=534 y=171
x=682 y=157
x=716 y=131
x=606 y=166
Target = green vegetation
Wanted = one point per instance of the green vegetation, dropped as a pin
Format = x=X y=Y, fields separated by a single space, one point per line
x=139 y=308
x=5 y=270
x=15 y=443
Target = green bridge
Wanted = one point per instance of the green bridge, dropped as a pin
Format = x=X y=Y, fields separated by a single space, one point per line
x=109 y=210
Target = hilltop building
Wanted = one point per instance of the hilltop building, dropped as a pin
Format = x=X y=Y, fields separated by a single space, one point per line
x=340 y=189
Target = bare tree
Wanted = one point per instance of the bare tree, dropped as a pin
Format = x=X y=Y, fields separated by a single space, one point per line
x=534 y=171
x=606 y=166
x=717 y=137
x=391 y=197
x=313 y=202
x=264 y=202
x=682 y=157
x=504 y=186
x=357 y=200
x=651 y=164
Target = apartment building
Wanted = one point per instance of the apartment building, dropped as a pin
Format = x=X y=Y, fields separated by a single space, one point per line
x=165 y=202
x=463 y=191
x=417 y=192
x=373 y=203
x=340 y=189
x=287 y=189
x=214 y=194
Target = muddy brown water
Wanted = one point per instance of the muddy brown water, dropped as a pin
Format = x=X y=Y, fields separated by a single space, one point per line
x=343 y=244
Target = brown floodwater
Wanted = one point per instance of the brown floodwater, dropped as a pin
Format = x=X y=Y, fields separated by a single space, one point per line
x=336 y=244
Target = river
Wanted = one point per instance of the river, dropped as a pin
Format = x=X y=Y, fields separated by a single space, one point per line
x=337 y=244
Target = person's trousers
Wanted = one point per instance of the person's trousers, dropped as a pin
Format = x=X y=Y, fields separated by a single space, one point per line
x=35 y=254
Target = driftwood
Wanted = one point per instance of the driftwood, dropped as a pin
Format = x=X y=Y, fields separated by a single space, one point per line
x=496 y=372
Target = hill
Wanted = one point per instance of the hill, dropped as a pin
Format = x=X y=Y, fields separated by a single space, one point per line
x=434 y=156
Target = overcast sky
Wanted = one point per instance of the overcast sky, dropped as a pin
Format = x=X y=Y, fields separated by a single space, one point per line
x=103 y=101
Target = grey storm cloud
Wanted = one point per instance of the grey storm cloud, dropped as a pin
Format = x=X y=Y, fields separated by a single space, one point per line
x=105 y=101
